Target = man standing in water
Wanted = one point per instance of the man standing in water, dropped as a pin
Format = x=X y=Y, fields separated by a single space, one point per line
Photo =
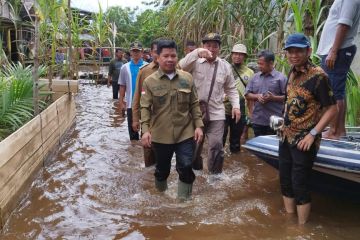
x=144 y=72
x=242 y=74
x=127 y=82
x=114 y=71
x=210 y=71
x=171 y=119
x=337 y=52
x=309 y=107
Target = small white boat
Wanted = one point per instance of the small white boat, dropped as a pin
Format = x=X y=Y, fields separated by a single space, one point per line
x=336 y=168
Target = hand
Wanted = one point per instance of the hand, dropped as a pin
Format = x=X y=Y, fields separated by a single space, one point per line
x=136 y=126
x=108 y=84
x=260 y=98
x=121 y=105
x=330 y=59
x=306 y=142
x=236 y=114
x=146 y=140
x=198 y=136
x=268 y=97
x=204 y=53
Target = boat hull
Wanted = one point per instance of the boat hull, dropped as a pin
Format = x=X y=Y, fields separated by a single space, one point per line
x=336 y=169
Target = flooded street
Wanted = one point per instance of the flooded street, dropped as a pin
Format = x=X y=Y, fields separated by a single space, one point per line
x=96 y=187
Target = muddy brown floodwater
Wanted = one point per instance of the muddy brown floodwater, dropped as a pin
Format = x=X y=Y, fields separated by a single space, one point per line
x=96 y=187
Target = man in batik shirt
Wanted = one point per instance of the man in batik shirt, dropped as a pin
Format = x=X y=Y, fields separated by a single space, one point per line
x=309 y=107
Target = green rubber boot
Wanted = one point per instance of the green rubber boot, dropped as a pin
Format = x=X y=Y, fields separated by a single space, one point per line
x=184 y=191
x=161 y=185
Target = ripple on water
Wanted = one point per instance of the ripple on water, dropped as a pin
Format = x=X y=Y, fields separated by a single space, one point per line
x=97 y=187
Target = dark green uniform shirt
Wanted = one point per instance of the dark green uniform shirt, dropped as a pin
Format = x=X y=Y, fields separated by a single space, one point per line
x=170 y=108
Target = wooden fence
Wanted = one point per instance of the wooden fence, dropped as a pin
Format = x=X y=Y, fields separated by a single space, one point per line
x=24 y=152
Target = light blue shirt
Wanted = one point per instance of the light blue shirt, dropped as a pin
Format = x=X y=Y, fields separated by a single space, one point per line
x=341 y=12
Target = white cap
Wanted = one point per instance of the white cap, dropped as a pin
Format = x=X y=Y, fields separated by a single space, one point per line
x=239 y=48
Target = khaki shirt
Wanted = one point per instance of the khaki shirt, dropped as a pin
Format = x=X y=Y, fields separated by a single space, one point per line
x=245 y=73
x=144 y=72
x=170 y=108
x=202 y=72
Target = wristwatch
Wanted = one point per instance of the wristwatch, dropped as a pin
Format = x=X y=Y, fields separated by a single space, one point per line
x=313 y=132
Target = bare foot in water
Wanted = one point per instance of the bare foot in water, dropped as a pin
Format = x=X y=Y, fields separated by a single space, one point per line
x=329 y=134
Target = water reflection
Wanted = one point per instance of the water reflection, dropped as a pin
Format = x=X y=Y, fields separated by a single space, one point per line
x=96 y=187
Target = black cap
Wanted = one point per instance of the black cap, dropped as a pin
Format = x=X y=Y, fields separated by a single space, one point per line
x=135 y=46
x=212 y=37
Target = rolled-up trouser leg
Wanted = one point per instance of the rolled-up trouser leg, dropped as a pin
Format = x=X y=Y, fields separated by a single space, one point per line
x=301 y=173
x=163 y=155
x=214 y=134
x=285 y=168
x=295 y=168
x=184 y=152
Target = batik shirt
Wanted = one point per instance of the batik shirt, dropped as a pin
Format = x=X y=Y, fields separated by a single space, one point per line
x=308 y=93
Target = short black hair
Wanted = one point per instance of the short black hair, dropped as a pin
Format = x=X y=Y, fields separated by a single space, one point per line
x=190 y=43
x=153 y=43
x=268 y=55
x=165 y=44
x=119 y=50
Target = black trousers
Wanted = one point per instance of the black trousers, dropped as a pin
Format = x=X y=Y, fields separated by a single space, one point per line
x=115 y=88
x=295 y=168
x=260 y=130
x=184 y=153
x=132 y=134
x=236 y=130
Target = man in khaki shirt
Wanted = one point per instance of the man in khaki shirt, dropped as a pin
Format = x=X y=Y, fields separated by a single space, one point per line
x=144 y=72
x=201 y=64
x=171 y=119
x=242 y=74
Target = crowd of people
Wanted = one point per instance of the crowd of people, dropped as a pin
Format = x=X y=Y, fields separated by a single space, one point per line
x=172 y=106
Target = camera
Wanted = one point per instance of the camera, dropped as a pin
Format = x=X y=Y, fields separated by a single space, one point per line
x=276 y=122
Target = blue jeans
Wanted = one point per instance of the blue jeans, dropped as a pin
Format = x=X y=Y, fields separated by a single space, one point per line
x=184 y=153
x=338 y=75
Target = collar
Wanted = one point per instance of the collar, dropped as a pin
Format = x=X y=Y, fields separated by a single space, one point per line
x=140 y=62
x=162 y=74
x=272 y=73
x=202 y=60
x=304 y=69
x=153 y=65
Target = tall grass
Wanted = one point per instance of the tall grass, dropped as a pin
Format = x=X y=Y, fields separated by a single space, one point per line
x=353 y=99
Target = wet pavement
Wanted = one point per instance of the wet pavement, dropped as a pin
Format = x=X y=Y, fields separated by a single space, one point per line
x=96 y=187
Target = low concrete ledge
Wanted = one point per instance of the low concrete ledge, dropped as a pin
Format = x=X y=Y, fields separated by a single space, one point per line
x=24 y=152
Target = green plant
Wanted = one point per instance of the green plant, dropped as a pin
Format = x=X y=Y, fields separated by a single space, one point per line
x=16 y=98
x=353 y=99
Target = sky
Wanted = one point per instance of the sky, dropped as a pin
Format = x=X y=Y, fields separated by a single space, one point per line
x=92 y=5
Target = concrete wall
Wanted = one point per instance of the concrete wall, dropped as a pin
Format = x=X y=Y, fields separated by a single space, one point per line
x=24 y=152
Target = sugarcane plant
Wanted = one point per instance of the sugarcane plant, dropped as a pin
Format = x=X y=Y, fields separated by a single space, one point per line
x=100 y=29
